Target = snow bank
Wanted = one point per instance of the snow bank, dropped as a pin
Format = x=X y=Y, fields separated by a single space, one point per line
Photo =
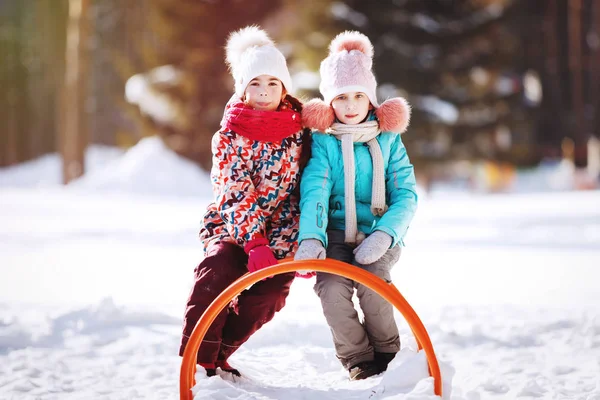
x=149 y=167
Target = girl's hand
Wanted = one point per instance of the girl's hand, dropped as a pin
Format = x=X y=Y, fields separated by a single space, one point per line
x=310 y=249
x=259 y=254
x=372 y=248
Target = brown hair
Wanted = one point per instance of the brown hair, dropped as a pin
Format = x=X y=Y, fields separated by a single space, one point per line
x=291 y=102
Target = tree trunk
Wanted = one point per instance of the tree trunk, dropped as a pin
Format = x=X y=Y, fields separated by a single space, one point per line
x=575 y=66
x=594 y=66
x=74 y=135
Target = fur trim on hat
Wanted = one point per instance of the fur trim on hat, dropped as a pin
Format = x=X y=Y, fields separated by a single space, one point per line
x=393 y=115
x=317 y=114
x=242 y=40
x=351 y=40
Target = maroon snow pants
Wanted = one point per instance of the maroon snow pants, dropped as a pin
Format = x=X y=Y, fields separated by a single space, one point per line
x=223 y=264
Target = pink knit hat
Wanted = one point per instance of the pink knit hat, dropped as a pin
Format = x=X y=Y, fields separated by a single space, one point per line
x=348 y=67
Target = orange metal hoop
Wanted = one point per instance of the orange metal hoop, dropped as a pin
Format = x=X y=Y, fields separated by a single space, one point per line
x=387 y=290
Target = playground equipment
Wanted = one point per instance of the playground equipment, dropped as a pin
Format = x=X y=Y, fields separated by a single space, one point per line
x=386 y=290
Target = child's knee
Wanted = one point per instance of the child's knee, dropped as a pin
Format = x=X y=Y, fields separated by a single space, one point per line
x=280 y=298
x=334 y=290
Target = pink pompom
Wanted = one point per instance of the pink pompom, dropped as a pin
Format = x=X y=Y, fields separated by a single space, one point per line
x=393 y=115
x=351 y=40
x=317 y=114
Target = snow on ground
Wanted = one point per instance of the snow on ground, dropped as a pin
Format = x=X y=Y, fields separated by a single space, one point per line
x=94 y=276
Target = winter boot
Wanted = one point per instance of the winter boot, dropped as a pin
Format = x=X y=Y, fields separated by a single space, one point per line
x=225 y=367
x=363 y=370
x=383 y=359
x=211 y=369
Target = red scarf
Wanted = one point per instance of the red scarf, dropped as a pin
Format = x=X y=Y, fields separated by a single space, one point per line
x=264 y=126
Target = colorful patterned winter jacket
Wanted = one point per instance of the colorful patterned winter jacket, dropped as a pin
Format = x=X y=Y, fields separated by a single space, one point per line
x=255 y=192
x=322 y=189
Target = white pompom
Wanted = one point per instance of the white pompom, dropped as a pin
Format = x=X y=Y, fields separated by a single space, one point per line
x=240 y=41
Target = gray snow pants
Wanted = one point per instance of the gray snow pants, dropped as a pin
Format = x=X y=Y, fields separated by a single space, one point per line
x=355 y=342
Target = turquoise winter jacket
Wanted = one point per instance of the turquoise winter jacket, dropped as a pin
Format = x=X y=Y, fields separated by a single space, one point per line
x=322 y=204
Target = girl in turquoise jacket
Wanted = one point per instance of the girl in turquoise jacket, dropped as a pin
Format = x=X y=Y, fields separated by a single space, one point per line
x=358 y=198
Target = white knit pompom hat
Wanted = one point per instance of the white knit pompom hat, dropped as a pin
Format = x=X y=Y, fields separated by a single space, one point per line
x=251 y=53
x=348 y=67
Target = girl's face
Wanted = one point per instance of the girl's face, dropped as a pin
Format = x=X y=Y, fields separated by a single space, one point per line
x=264 y=93
x=351 y=108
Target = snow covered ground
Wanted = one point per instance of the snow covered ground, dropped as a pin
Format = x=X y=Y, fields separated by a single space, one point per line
x=94 y=276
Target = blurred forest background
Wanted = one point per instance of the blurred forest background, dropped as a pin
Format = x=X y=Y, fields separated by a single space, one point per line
x=495 y=85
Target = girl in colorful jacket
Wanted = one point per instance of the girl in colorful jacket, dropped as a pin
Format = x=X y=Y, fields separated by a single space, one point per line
x=357 y=200
x=253 y=220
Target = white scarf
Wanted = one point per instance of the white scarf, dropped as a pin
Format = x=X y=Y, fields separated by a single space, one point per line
x=349 y=134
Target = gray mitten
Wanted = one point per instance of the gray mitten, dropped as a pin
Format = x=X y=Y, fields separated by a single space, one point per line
x=372 y=248
x=310 y=249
